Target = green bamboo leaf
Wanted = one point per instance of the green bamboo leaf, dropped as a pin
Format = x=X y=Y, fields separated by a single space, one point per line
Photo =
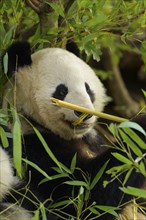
x=3 y=137
x=135 y=137
x=122 y=158
x=142 y=168
x=117 y=169
x=17 y=148
x=43 y=211
x=144 y=92
x=134 y=191
x=98 y=175
x=58 y=9
x=80 y=200
x=60 y=204
x=57 y=176
x=36 y=215
x=113 y=129
x=73 y=163
x=130 y=143
x=77 y=183
x=133 y=125
x=35 y=166
x=101 y=3
x=61 y=166
x=65 y=168
x=46 y=147
x=108 y=209
x=127 y=176
x=94 y=210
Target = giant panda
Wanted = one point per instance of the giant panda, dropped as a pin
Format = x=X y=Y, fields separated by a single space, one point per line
x=58 y=73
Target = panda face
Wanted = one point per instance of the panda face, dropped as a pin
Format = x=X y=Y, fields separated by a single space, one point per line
x=60 y=74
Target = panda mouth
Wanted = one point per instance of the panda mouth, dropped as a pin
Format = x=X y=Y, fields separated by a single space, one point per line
x=81 y=126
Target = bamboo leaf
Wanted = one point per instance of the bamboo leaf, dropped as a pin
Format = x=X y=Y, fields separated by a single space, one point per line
x=17 y=148
x=3 y=137
x=113 y=129
x=98 y=175
x=73 y=163
x=132 y=134
x=77 y=183
x=58 y=9
x=122 y=158
x=117 y=169
x=144 y=92
x=107 y=209
x=57 y=176
x=49 y=152
x=130 y=143
x=35 y=166
x=134 y=191
x=142 y=168
x=133 y=125
x=36 y=215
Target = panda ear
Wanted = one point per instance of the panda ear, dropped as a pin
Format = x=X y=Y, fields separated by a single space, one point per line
x=73 y=48
x=19 y=55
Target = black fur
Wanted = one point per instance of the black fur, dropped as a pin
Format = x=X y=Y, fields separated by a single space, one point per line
x=60 y=92
x=90 y=92
x=64 y=151
x=72 y=47
x=19 y=55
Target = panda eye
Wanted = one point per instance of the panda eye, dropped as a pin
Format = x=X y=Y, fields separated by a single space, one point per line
x=60 y=92
x=90 y=92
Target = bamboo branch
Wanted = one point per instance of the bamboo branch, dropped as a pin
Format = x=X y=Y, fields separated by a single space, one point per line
x=86 y=110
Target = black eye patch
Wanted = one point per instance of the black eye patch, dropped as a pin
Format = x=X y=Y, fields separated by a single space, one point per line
x=90 y=92
x=60 y=92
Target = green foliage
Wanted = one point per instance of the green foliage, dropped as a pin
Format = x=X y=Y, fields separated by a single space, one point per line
x=131 y=144
x=17 y=144
x=141 y=193
x=144 y=92
x=92 y=25
x=123 y=134
x=3 y=137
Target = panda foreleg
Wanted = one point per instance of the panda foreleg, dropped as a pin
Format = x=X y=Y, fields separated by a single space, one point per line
x=9 y=211
x=131 y=212
x=7 y=179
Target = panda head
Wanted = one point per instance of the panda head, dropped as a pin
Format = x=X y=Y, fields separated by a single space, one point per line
x=58 y=73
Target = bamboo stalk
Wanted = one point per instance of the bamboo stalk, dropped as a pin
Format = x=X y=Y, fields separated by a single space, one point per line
x=86 y=110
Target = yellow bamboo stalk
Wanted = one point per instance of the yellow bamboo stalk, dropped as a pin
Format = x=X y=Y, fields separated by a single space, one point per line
x=86 y=110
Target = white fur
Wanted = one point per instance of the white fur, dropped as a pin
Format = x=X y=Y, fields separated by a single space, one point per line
x=7 y=180
x=130 y=212
x=36 y=84
x=14 y=212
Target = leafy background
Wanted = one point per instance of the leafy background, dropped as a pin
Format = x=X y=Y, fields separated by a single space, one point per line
x=111 y=36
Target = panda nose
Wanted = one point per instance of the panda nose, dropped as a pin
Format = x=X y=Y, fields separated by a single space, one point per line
x=78 y=114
